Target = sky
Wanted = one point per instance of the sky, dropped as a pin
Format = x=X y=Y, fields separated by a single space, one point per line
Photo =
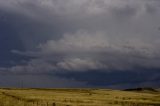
x=80 y=43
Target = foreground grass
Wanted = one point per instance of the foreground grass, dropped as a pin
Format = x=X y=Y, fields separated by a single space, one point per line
x=77 y=97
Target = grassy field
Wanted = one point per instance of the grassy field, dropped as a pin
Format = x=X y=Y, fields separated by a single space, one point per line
x=77 y=97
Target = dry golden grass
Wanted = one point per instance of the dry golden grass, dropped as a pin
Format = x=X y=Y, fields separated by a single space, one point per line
x=77 y=97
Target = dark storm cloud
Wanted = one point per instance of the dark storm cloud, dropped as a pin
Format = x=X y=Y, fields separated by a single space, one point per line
x=108 y=28
x=40 y=81
x=9 y=40
x=114 y=79
x=51 y=36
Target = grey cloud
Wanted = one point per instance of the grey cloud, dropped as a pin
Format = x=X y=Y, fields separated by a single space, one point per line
x=36 y=66
x=44 y=67
x=124 y=13
x=80 y=65
x=80 y=41
x=70 y=9
x=84 y=51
